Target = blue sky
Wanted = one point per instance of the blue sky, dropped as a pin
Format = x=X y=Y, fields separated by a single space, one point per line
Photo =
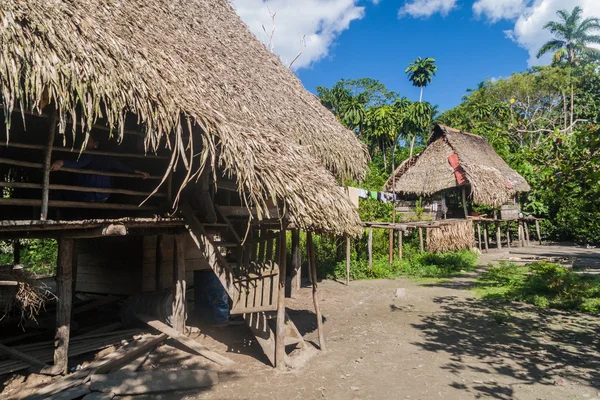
x=467 y=50
x=471 y=40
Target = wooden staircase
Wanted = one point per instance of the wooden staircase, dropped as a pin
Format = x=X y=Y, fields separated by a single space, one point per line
x=251 y=281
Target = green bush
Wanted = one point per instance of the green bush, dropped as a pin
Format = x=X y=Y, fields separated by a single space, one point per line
x=40 y=254
x=544 y=285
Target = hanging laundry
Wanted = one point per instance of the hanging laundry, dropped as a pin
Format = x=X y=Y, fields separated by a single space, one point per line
x=353 y=194
x=373 y=195
x=363 y=194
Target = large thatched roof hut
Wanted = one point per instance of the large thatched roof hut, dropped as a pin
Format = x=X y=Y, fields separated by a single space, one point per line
x=203 y=117
x=476 y=165
x=180 y=63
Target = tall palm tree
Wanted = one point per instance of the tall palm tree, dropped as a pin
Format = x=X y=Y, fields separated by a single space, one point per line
x=572 y=38
x=420 y=72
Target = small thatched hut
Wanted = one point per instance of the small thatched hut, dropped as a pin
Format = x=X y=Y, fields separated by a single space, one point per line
x=453 y=160
x=182 y=91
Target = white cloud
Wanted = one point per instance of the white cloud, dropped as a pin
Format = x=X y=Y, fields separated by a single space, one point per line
x=496 y=10
x=320 y=22
x=530 y=16
x=426 y=8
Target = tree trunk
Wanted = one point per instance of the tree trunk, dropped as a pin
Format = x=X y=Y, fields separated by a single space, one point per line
x=572 y=104
x=421 y=96
x=412 y=144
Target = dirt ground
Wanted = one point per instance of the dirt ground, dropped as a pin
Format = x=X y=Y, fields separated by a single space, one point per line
x=437 y=342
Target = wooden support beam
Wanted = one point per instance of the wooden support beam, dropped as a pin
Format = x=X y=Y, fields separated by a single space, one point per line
x=296 y=282
x=315 y=291
x=498 y=235
x=537 y=229
x=109 y=230
x=74 y=204
x=370 y=247
x=18 y=355
x=390 y=246
x=479 y=236
x=485 y=237
x=348 y=250
x=400 y=234
x=521 y=234
x=159 y=263
x=64 y=291
x=280 y=330
x=421 y=244
x=27 y=185
x=189 y=343
x=526 y=226
x=508 y=234
x=47 y=162
x=179 y=284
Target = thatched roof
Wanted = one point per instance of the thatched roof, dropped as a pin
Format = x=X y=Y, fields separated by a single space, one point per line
x=491 y=180
x=178 y=61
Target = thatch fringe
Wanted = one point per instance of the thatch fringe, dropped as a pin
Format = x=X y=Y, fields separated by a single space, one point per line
x=178 y=62
x=451 y=237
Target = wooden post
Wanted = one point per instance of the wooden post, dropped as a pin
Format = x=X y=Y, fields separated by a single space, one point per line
x=313 y=269
x=390 y=246
x=64 y=291
x=498 y=235
x=400 y=245
x=464 y=201
x=479 y=236
x=521 y=234
x=508 y=234
x=16 y=252
x=537 y=228
x=347 y=260
x=280 y=331
x=421 y=244
x=370 y=247
x=485 y=237
x=159 y=263
x=296 y=282
x=47 y=162
x=179 y=284
x=526 y=233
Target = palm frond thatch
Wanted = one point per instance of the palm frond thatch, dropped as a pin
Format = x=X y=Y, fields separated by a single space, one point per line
x=491 y=180
x=178 y=61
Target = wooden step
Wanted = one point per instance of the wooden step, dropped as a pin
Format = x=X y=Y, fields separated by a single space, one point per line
x=226 y=244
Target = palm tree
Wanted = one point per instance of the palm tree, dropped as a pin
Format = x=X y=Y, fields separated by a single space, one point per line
x=572 y=38
x=420 y=72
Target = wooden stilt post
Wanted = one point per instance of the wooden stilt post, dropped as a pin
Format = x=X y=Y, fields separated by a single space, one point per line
x=537 y=228
x=296 y=282
x=348 y=260
x=521 y=234
x=464 y=201
x=390 y=246
x=421 y=244
x=526 y=225
x=498 y=235
x=47 y=162
x=400 y=245
x=313 y=269
x=370 y=247
x=479 y=236
x=17 y=252
x=280 y=331
x=159 y=263
x=485 y=237
x=179 y=284
x=508 y=234
x=64 y=291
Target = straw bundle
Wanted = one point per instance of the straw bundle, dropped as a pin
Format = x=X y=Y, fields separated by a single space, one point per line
x=491 y=180
x=451 y=237
x=183 y=65
x=27 y=298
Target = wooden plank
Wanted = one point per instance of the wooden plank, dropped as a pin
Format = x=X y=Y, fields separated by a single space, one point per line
x=280 y=331
x=78 y=151
x=229 y=225
x=258 y=324
x=179 y=284
x=130 y=383
x=315 y=291
x=190 y=344
x=27 y=185
x=18 y=355
x=135 y=364
x=73 y=393
x=64 y=292
x=27 y=164
x=400 y=234
x=99 y=396
x=73 y=204
x=46 y=166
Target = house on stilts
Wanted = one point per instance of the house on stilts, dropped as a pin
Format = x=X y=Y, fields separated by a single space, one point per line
x=152 y=139
x=455 y=169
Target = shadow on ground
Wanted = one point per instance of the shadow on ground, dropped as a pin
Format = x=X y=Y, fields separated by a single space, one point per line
x=517 y=343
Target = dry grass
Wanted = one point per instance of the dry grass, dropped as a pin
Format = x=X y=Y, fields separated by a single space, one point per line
x=179 y=66
x=452 y=237
x=27 y=297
